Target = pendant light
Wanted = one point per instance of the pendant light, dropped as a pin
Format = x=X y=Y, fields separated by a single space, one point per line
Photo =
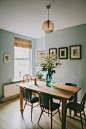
x=48 y=26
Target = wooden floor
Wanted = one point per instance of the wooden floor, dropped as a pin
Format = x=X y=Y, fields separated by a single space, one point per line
x=11 y=118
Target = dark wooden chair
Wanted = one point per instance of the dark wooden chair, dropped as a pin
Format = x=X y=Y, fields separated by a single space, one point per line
x=29 y=98
x=78 y=108
x=71 y=84
x=72 y=97
x=48 y=106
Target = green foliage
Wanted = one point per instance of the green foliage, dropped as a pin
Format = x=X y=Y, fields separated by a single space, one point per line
x=38 y=74
x=50 y=62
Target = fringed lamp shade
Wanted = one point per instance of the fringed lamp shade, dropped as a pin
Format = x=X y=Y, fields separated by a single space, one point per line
x=48 y=26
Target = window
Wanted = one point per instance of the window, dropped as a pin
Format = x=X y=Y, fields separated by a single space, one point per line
x=22 y=58
x=21 y=62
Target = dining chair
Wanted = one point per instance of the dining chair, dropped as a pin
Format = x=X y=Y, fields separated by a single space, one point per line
x=27 y=77
x=71 y=84
x=29 y=98
x=48 y=106
x=78 y=108
x=72 y=97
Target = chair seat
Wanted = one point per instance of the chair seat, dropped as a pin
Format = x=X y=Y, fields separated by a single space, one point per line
x=75 y=106
x=34 y=99
x=54 y=106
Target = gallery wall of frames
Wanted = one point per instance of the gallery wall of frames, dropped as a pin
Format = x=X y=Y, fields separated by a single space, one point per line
x=75 y=52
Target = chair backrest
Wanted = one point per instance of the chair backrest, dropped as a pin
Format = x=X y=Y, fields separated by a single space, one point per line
x=83 y=100
x=71 y=84
x=26 y=93
x=44 y=100
x=26 y=77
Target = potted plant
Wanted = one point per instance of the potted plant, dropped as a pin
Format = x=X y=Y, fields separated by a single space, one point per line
x=39 y=75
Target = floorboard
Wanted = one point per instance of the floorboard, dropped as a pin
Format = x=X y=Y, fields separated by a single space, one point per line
x=11 y=118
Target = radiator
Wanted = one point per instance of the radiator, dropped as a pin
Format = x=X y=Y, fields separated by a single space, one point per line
x=11 y=89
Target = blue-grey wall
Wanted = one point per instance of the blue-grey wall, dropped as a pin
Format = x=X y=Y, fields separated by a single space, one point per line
x=73 y=71
x=7 y=46
x=39 y=46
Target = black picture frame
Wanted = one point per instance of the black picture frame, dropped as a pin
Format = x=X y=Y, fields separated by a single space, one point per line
x=75 y=52
x=53 y=51
x=63 y=53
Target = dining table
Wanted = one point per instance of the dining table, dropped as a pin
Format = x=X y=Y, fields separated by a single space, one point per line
x=57 y=91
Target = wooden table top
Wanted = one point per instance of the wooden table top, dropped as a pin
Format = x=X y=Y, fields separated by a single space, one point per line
x=57 y=90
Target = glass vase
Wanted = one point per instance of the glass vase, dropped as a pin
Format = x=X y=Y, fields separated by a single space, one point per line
x=48 y=80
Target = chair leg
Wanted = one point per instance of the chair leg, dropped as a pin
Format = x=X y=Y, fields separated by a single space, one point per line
x=25 y=105
x=60 y=101
x=84 y=115
x=59 y=114
x=75 y=114
x=40 y=115
x=81 y=120
x=70 y=112
x=31 y=110
x=51 y=119
x=48 y=112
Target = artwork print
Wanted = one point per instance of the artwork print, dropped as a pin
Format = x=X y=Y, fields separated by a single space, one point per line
x=63 y=53
x=40 y=56
x=53 y=51
x=75 y=52
x=6 y=58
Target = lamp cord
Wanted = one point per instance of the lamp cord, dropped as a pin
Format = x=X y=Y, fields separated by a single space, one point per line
x=48 y=18
x=48 y=14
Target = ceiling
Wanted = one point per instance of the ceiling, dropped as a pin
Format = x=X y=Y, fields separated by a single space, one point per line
x=26 y=17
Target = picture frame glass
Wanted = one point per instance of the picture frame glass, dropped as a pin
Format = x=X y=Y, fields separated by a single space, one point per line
x=75 y=52
x=53 y=51
x=62 y=53
x=6 y=58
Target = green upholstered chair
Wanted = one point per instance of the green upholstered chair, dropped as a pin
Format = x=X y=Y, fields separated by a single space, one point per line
x=48 y=106
x=72 y=97
x=29 y=99
x=71 y=84
x=78 y=108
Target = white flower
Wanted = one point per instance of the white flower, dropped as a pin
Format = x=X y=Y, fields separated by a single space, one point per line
x=49 y=62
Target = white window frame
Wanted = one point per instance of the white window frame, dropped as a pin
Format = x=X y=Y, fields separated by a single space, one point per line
x=30 y=58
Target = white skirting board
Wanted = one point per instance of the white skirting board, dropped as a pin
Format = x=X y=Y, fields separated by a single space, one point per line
x=11 y=89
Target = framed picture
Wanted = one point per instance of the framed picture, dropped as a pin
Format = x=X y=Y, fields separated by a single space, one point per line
x=6 y=58
x=40 y=56
x=53 y=51
x=63 y=53
x=75 y=52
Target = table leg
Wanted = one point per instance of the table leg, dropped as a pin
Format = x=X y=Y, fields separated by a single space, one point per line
x=75 y=100
x=21 y=100
x=75 y=97
x=64 y=114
